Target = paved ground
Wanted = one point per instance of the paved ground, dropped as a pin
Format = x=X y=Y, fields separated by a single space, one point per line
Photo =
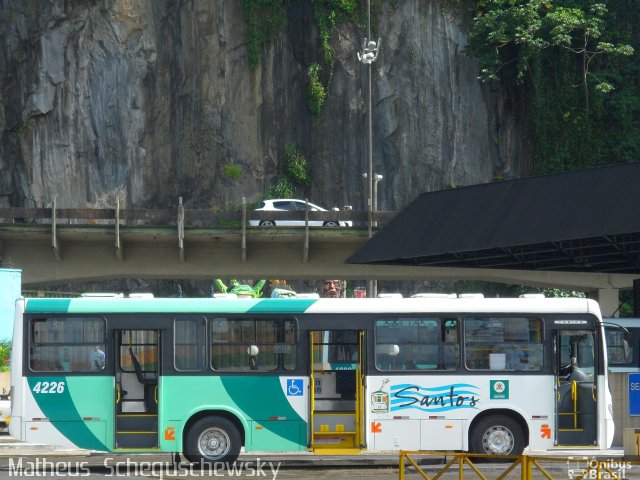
x=11 y=447
x=47 y=459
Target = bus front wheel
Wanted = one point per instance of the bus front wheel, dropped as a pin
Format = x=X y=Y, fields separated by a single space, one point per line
x=213 y=440
x=498 y=435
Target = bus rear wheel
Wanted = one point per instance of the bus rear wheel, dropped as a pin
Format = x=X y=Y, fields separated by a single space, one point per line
x=498 y=435
x=213 y=440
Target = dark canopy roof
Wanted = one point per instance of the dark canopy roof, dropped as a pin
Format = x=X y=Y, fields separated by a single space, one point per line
x=585 y=221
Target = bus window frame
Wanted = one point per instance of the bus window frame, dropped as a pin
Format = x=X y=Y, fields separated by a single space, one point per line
x=299 y=362
x=506 y=316
x=441 y=318
x=634 y=346
x=106 y=346
x=202 y=345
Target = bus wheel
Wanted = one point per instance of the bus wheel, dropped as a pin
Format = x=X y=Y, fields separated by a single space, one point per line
x=213 y=440
x=498 y=435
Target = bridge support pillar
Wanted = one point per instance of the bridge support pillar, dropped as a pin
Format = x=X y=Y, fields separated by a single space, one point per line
x=608 y=300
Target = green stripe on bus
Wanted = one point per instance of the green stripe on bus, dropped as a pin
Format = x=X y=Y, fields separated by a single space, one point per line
x=261 y=398
x=54 y=398
x=167 y=305
x=48 y=305
x=159 y=305
x=282 y=305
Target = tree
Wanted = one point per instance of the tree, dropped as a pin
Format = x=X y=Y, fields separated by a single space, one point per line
x=5 y=355
x=510 y=34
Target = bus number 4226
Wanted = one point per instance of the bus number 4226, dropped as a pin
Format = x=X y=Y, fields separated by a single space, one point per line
x=48 y=387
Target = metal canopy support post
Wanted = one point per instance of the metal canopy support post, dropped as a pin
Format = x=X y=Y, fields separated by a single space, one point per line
x=54 y=233
x=119 y=255
x=180 y=230
x=243 y=244
x=305 y=248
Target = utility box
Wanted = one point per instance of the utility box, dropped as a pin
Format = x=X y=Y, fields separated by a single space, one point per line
x=631 y=443
x=10 y=290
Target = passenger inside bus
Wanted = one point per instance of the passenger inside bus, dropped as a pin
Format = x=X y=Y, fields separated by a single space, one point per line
x=65 y=360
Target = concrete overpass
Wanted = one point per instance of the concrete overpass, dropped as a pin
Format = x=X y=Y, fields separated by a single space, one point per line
x=53 y=246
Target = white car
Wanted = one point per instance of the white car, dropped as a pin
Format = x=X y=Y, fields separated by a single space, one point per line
x=292 y=205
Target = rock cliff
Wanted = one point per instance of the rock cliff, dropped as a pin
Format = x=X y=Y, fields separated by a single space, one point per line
x=148 y=100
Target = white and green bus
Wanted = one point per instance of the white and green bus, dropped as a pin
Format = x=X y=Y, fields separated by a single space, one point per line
x=208 y=377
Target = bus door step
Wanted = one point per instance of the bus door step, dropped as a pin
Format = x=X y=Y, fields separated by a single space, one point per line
x=136 y=430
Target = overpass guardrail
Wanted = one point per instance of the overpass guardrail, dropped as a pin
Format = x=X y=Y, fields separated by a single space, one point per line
x=179 y=223
x=177 y=216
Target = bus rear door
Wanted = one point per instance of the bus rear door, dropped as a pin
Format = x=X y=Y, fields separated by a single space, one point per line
x=337 y=391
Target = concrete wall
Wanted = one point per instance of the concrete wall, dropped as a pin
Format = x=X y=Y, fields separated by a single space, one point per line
x=5 y=383
x=618 y=384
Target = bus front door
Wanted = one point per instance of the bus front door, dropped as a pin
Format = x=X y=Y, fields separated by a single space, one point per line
x=576 y=384
x=337 y=391
x=137 y=372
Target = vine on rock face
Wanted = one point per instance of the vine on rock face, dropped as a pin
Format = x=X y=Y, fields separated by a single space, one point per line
x=296 y=170
x=316 y=92
x=568 y=62
x=281 y=189
x=296 y=166
x=265 y=19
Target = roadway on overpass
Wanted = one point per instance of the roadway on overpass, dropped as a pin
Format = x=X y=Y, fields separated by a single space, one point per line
x=55 y=250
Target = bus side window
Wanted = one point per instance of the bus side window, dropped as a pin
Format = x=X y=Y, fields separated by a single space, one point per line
x=67 y=344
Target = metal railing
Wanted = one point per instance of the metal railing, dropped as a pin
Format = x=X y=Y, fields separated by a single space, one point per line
x=529 y=467
x=188 y=217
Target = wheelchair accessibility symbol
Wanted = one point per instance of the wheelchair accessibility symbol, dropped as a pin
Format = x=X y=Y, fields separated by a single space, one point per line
x=294 y=387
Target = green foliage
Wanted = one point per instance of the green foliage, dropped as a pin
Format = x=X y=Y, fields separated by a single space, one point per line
x=295 y=166
x=516 y=31
x=502 y=290
x=282 y=189
x=626 y=304
x=5 y=355
x=562 y=293
x=316 y=93
x=265 y=19
x=570 y=63
x=328 y=15
x=233 y=171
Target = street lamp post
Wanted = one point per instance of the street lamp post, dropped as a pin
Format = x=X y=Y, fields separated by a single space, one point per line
x=377 y=178
x=370 y=50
